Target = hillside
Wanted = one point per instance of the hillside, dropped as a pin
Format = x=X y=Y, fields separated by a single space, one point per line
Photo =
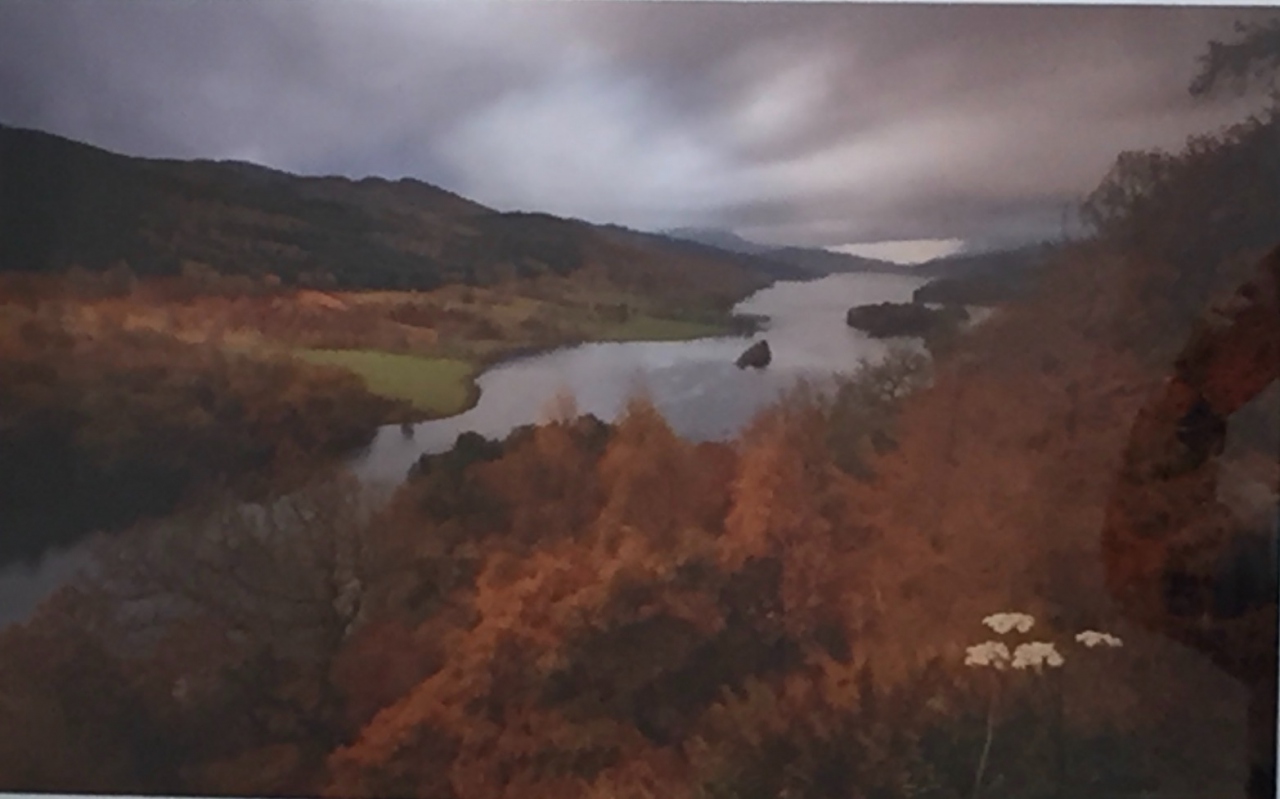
x=65 y=204
x=817 y=261
x=986 y=278
x=756 y=261
x=804 y=262
x=172 y=327
x=720 y=239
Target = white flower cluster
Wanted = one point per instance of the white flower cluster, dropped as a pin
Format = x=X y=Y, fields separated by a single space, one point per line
x=1033 y=655
x=988 y=653
x=1036 y=655
x=1003 y=623
x=1092 y=638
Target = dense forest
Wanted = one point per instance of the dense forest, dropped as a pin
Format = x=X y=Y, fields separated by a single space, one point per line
x=903 y=587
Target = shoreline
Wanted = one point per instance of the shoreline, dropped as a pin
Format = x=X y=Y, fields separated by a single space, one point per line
x=733 y=325
x=753 y=325
x=504 y=357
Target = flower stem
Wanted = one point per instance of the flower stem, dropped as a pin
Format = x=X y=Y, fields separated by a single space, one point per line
x=986 y=746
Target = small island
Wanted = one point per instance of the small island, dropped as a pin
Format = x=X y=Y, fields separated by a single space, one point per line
x=904 y=319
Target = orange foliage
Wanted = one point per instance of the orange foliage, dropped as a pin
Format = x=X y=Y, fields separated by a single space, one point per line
x=633 y=614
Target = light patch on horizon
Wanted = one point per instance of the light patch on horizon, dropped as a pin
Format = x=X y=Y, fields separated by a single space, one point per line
x=904 y=252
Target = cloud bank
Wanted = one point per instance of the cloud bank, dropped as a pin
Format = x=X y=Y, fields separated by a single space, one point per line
x=821 y=125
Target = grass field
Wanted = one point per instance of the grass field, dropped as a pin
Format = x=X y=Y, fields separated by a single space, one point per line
x=437 y=386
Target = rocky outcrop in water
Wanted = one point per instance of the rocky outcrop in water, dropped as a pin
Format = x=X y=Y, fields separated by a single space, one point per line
x=757 y=356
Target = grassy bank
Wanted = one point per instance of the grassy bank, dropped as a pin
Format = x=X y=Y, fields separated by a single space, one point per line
x=428 y=348
x=435 y=386
x=444 y=385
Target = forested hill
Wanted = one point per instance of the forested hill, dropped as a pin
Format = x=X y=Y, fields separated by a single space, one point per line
x=801 y=262
x=986 y=278
x=756 y=263
x=65 y=204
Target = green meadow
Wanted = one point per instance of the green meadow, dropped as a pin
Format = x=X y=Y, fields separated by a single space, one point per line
x=437 y=386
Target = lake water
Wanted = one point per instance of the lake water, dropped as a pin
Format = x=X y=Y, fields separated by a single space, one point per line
x=694 y=383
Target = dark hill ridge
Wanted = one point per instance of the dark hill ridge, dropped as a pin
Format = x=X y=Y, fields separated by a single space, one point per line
x=64 y=204
x=752 y=262
x=823 y=262
x=720 y=239
x=800 y=262
x=1027 y=258
x=989 y=278
x=975 y=278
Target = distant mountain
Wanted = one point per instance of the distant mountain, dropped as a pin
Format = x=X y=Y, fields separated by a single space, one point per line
x=1013 y=259
x=763 y=265
x=826 y=262
x=65 y=204
x=806 y=262
x=720 y=239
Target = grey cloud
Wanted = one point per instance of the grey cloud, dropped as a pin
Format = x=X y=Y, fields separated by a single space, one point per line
x=819 y=124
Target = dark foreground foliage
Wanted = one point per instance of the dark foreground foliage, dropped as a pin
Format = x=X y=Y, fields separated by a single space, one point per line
x=99 y=432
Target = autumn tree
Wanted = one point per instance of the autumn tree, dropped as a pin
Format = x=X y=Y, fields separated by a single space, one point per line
x=647 y=475
x=791 y=504
x=862 y=410
x=548 y=483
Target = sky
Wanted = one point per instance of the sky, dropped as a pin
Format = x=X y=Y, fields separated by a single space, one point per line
x=856 y=127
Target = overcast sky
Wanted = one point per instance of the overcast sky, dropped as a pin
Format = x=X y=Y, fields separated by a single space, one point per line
x=820 y=125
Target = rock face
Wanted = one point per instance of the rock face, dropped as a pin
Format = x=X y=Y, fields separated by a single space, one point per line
x=757 y=356
x=894 y=319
